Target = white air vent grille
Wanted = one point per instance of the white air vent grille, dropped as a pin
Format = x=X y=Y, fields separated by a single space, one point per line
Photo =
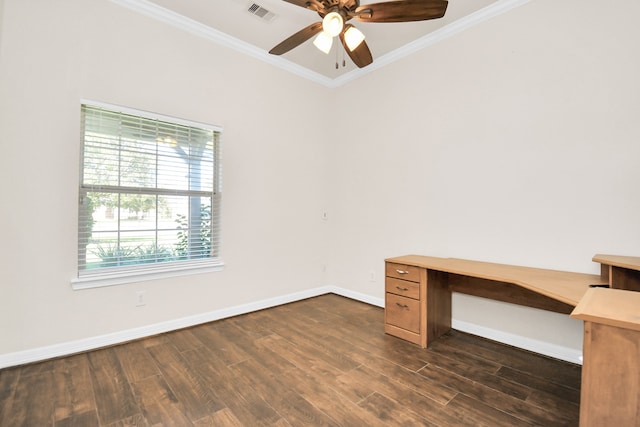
x=261 y=12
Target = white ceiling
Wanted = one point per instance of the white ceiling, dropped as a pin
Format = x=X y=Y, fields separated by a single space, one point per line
x=229 y=22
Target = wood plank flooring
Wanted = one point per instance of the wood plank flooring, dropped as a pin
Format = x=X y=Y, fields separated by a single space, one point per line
x=324 y=361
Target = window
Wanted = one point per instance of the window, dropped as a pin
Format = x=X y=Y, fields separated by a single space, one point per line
x=149 y=197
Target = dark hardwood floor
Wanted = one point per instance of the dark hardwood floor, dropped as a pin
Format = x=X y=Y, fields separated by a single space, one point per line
x=324 y=361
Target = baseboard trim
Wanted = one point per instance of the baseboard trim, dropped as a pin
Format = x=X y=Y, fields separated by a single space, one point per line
x=378 y=302
x=541 y=347
x=92 y=343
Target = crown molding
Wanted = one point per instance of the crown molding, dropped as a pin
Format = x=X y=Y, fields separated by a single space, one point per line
x=146 y=7
x=449 y=30
x=189 y=25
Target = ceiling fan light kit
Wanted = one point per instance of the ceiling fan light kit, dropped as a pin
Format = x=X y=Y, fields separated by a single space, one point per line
x=332 y=24
x=323 y=42
x=353 y=37
x=336 y=13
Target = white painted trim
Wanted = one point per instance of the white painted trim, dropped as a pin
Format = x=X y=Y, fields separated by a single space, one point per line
x=167 y=16
x=378 y=302
x=92 y=343
x=132 y=275
x=150 y=115
x=449 y=30
x=541 y=347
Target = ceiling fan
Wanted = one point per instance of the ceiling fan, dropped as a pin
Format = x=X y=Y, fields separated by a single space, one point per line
x=336 y=13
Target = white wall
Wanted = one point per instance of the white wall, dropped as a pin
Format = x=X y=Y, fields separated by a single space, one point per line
x=1 y=23
x=517 y=142
x=514 y=142
x=56 y=53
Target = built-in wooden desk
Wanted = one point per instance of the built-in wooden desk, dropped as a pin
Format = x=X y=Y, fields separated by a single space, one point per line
x=610 y=391
x=418 y=309
x=621 y=272
x=426 y=315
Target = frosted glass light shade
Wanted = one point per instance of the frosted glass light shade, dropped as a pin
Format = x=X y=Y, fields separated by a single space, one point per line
x=323 y=42
x=353 y=37
x=332 y=24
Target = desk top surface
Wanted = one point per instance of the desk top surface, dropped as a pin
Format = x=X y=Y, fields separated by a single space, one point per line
x=562 y=286
x=630 y=262
x=613 y=307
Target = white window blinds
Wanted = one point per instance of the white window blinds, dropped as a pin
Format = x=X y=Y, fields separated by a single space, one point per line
x=149 y=192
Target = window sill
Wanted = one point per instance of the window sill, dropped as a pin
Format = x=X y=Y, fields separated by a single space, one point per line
x=141 y=274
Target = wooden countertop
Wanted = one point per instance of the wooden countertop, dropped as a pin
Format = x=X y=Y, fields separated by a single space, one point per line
x=563 y=286
x=613 y=307
x=630 y=262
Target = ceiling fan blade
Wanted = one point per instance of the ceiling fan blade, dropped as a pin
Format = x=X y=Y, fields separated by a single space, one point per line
x=401 y=11
x=350 y=4
x=301 y=3
x=297 y=39
x=314 y=5
x=361 y=55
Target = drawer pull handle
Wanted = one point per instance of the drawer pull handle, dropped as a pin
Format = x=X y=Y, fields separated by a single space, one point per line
x=402 y=272
x=401 y=289
x=402 y=305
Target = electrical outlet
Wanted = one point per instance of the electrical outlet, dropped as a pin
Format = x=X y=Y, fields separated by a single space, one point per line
x=372 y=276
x=141 y=298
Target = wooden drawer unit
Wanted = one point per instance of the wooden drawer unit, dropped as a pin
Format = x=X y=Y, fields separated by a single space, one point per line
x=401 y=271
x=405 y=302
x=403 y=312
x=402 y=287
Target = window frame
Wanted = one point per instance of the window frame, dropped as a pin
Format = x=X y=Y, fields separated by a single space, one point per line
x=109 y=276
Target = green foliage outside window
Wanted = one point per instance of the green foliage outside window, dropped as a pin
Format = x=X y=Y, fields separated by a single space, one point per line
x=148 y=192
x=203 y=236
x=112 y=254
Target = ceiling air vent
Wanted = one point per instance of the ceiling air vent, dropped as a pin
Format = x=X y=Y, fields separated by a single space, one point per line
x=261 y=12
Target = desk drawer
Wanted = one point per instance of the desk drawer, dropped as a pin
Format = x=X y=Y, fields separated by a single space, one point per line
x=402 y=312
x=402 y=287
x=401 y=271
